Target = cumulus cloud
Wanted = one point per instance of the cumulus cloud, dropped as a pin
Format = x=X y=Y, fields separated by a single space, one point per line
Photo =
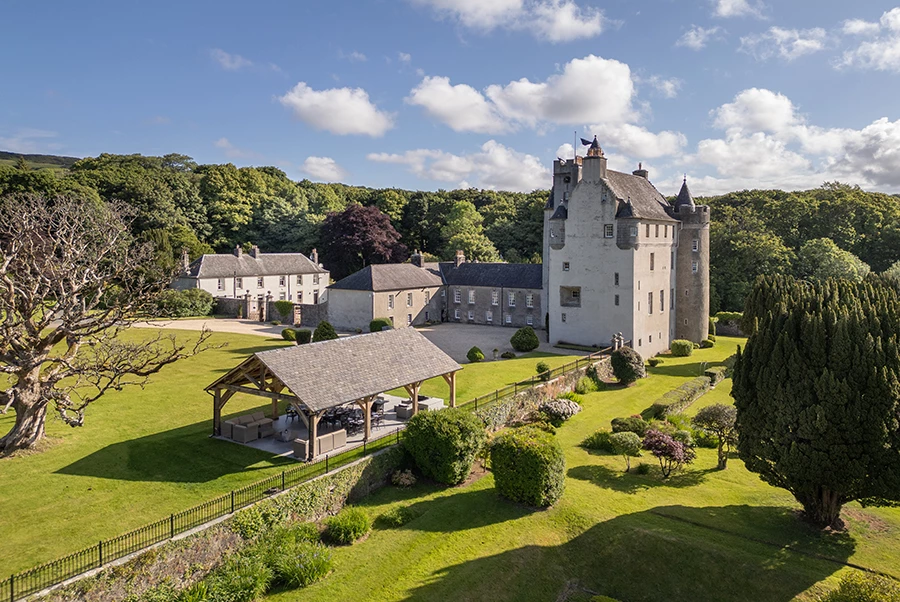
x=461 y=107
x=881 y=50
x=737 y=8
x=29 y=140
x=667 y=87
x=787 y=44
x=696 y=38
x=640 y=143
x=342 y=111
x=756 y=110
x=494 y=166
x=228 y=61
x=549 y=20
x=325 y=169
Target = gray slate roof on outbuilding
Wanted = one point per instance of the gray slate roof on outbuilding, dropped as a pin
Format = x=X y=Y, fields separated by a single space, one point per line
x=331 y=373
x=646 y=201
x=266 y=264
x=388 y=277
x=507 y=275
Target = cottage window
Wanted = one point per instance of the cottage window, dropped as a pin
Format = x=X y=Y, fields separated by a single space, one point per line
x=456 y=295
x=616 y=278
x=299 y=296
x=471 y=296
x=471 y=316
x=282 y=281
x=221 y=284
x=529 y=300
x=408 y=299
x=390 y=301
x=238 y=283
x=315 y=279
x=495 y=298
x=608 y=231
x=616 y=300
x=260 y=283
x=508 y=319
x=299 y=279
x=489 y=316
x=528 y=320
x=456 y=314
x=282 y=296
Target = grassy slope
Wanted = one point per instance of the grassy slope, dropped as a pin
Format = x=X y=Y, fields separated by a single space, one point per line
x=626 y=536
x=143 y=454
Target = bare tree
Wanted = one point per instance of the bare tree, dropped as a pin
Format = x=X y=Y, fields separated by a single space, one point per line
x=72 y=279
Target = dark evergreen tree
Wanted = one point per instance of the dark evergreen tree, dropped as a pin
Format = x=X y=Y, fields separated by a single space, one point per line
x=817 y=392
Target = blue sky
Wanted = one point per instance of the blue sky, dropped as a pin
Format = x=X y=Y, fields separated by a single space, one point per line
x=427 y=94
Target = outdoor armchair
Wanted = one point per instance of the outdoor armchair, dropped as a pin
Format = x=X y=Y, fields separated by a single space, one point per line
x=244 y=433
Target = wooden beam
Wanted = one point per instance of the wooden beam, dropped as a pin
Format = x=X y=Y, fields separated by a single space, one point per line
x=366 y=404
x=302 y=415
x=248 y=376
x=313 y=433
x=217 y=412
x=413 y=390
x=451 y=380
x=257 y=392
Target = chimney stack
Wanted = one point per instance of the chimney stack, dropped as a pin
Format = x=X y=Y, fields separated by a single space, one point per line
x=460 y=258
x=417 y=260
x=640 y=171
x=314 y=257
x=238 y=251
x=254 y=252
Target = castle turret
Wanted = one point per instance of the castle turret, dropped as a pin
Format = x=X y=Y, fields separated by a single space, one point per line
x=692 y=268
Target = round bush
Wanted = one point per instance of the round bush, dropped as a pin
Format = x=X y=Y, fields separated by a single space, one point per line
x=324 y=332
x=599 y=441
x=653 y=362
x=302 y=564
x=379 y=324
x=525 y=339
x=347 y=526
x=682 y=348
x=508 y=355
x=863 y=587
x=475 y=355
x=243 y=578
x=559 y=410
x=631 y=424
x=627 y=365
x=304 y=336
x=707 y=343
x=543 y=370
x=586 y=385
x=289 y=334
x=444 y=444
x=529 y=466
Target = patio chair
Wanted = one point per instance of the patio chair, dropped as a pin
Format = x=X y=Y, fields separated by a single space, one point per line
x=245 y=433
x=404 y=412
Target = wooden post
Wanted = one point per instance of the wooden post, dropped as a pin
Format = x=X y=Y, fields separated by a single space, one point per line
x=451 y=380
x=274 y=408
x=217 y=412
x=413 y=390
x=313 y=433
x=366 y=405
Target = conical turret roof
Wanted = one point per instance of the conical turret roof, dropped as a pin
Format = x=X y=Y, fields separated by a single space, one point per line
x=684 y=197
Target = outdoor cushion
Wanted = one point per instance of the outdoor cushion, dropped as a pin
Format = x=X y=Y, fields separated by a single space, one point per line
x=257 y=416
x=325 y=443
x=266 y=427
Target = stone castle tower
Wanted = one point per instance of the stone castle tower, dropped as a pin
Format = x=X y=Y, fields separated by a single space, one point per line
x=618 y=257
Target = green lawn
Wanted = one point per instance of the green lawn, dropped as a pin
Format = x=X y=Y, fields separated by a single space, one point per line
x=143 y=454
x=703 y=535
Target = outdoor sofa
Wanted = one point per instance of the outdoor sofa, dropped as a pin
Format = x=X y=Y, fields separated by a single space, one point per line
x=248 y=427
x=324 y=444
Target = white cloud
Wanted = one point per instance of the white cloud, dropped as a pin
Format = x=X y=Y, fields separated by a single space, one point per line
x=882 y=51
x=737 y=8
x=228 y=61
x=404 y=57
x=232 y=151
x=340 y=111
x=550 y=20
x=461 y=107
x=29 y=140
x=859 y=27
x=639 y=143
x=787 y=44
x=357 y=57
x=494 y=167
x=667 y=87
x=696 y=38
x=323 y=168
x=756 y=110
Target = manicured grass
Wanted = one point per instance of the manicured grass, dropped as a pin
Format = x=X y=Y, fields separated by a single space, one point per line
x=143 y=454
x=702 y=535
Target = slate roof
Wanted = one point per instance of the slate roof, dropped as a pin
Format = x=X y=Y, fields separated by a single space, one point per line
x=331 y=373
x=507 y=275
x=646 y=201
x=388 y=277
x=562 y=212
x=684 y=197
x=265 y=264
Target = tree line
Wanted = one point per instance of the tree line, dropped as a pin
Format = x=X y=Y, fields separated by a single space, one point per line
x=835 y=230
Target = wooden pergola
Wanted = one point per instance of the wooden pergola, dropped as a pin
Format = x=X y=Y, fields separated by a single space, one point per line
x=314 y=378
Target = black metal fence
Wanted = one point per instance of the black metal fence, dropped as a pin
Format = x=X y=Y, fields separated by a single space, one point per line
x=33 y=580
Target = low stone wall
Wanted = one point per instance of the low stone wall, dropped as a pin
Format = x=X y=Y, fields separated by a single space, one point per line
x=229 y=307
x=729 y=329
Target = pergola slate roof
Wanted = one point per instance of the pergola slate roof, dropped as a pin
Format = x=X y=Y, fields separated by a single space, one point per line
x=331 y=373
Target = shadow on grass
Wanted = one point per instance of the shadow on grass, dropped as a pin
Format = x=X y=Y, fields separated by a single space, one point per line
x=631 y=482
x=667 y=553
x=182 y=455
x=685 y=370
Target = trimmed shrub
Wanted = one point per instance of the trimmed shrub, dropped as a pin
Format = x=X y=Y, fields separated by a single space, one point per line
x=696 y=345
x=508 y=355
x=379 y=324
x=529 y=466
x=475 y=355
x=642 y=468
x=179 y=304
x=397 y=517
x=707 y=343
x=559 y=410
x=682 y=348
x=863 y=587
x=599 y=441
x=242 y=578
x=716 y=374
x=285 y=309
x=654 y=362
x=543 y=371
x=729 y=316
x=304 y=336
x=627 y=445
x=324 y=332
x=289 y=334
x=712 y=325
x=585 y=385
x=704 y=439
x=631 y=424
x=627 y=365
x=347 y=526
x=525 y=339
x=678 y=400
x=444 y=444
x=302 y=564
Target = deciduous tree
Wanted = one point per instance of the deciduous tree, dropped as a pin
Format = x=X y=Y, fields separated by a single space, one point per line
x=357 y=237
x=718 y=419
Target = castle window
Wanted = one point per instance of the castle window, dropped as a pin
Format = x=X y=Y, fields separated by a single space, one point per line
x=648 y=230
x=570 y=296
x=495 y=298
x=456 y=314
x=565 y=266
x=687 y=292
x=563 y=317
x=685 y=321
x=695 y=267
x=662 y=301
x=509 y=319
x=652 y=261
x=657 y=230
x=616 y=278
x=489 y=317
x=471 y=296
x=608 y=231
x=409 y=319
x=529 y=300
x=528 y=320
x=408 y=299
x=633 y=231
x=511 y=299
x=650 y=339
x=390 y=301
x=639 y=342
x=456 y=295
x=616 y=301
x=695 y=245
x=649 y=303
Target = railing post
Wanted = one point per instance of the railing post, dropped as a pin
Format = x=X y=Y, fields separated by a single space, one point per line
x=232 y=501
x=282 y=480
x=326 y=462
x=172 y=526
x=364 y=447
x=100 y=551
x=12 y=589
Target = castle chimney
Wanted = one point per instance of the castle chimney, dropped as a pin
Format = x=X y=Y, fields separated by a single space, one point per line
x=417 y=259
x=254 y=252
x=460 y=258
x=238 y=251
x=314 y=257
x=640 y=171
x=185 y=258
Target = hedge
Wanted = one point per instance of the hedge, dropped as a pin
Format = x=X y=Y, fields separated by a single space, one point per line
x=379 y=324
x=529 y=466
x=682 y=348
x=304 y=336
x=730 y=316
x=525 y=339
x=444 y=444
x=680 y=399
x=716 y=374
x=183 y=304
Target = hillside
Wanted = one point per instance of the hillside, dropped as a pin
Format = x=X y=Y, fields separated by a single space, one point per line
x=38 y=161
